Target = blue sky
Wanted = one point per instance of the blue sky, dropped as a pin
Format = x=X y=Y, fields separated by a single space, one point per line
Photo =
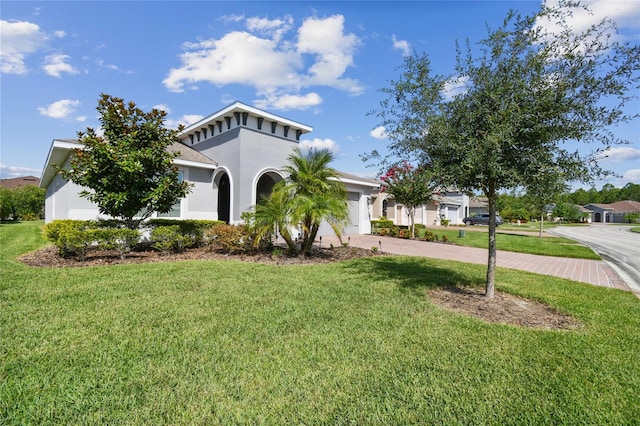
x=319 y=63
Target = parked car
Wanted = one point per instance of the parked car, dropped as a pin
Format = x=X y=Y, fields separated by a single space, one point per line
x=481 y=219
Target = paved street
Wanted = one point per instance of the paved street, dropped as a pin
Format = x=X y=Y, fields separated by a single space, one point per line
x=614 y=243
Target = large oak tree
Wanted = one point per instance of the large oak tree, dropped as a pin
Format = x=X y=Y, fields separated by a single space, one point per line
x=529 y=96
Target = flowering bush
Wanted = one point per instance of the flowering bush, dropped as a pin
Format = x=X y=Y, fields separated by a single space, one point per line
x=410 y=186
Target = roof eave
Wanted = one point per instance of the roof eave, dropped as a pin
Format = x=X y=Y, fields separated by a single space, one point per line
x=58 y=153
x=239 y=106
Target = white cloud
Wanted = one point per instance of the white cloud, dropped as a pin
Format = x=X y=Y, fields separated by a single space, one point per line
x=379 y=133
x=62 y=109
x=334 y=51
x=317 y=144
x=455 y=86
x=621 y=154
x=185 y=120
x=401 y=45
x=102 y=64
x=632 y=175
x=273 y=28
x=231 y=18
x=260 y=58
x=162 y=107
x=286 y=102
x=8 y=172
x=238 y=57
x=19 y=39
x=55 y=65
x=625 y=13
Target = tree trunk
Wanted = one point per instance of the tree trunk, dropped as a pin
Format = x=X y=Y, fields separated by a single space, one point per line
x=412 y=221
x=491 y=264
x=541 y=224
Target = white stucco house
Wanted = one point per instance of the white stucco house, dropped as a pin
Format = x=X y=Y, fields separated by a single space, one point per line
x=231 y=158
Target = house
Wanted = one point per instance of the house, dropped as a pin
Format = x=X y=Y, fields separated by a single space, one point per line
x=448 y=204
x=478 y=205
x=11 y=183
x=231 y=158
x=614 y=212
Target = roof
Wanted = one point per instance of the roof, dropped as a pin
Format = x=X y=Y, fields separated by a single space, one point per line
x=447 y=200
x=12 y=183
x=349 y=178
x=478 y=202
x=61 y=149
x=188 y=156
x=239 y=107
x=625 y=206
x=599 y=206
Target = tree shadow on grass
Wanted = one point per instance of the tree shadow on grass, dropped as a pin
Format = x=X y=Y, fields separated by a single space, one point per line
x=419 y=274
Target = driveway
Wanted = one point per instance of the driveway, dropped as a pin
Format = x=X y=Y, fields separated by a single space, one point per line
x=595 y=272
x=614 y=243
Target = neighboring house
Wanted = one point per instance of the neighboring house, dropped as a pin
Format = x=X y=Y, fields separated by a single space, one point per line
x=12 y=183
x=614 y=212
x=478 y=205
x=231 y=158
x=451 y=205
x=587 y=215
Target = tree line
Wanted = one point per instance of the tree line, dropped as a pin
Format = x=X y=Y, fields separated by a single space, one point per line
x=515 y=206
x=22 y=203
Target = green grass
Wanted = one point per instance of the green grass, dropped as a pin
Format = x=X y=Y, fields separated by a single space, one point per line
x=547 y=246
x=635 y=229
x=358 y=342
x=528 y=226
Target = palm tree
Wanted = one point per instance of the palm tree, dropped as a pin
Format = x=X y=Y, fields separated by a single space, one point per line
x=317 y=194
x=271 y=215
x=310 y=194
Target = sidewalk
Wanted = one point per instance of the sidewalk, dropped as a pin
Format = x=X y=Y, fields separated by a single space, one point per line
x=595 y=272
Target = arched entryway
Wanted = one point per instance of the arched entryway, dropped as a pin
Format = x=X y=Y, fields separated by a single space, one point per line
x=265 y=184
x=224 y=197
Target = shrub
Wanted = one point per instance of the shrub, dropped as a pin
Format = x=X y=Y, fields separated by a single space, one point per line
x=405 y=233
x=77 y=242
x=428 y=235
x=120 y=239
x=194 y=229
x=394 y=231
x=384 y=232
x=632 y=217
x=66 y=235
x=444 y=222
x=169 y=239
x=231 y=238
x=378 y=225
x=444 y=239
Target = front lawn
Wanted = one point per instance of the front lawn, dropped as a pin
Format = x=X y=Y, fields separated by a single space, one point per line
x=357 y=342
x=532 y=244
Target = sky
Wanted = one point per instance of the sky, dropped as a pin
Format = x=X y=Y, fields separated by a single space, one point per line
x=318 y=63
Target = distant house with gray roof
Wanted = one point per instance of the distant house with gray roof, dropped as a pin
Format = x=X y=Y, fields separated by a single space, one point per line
x=613 y=212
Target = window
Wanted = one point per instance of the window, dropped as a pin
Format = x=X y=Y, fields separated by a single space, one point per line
x=175 y=209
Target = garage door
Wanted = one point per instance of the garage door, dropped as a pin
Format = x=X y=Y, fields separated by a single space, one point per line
x=353 y=224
